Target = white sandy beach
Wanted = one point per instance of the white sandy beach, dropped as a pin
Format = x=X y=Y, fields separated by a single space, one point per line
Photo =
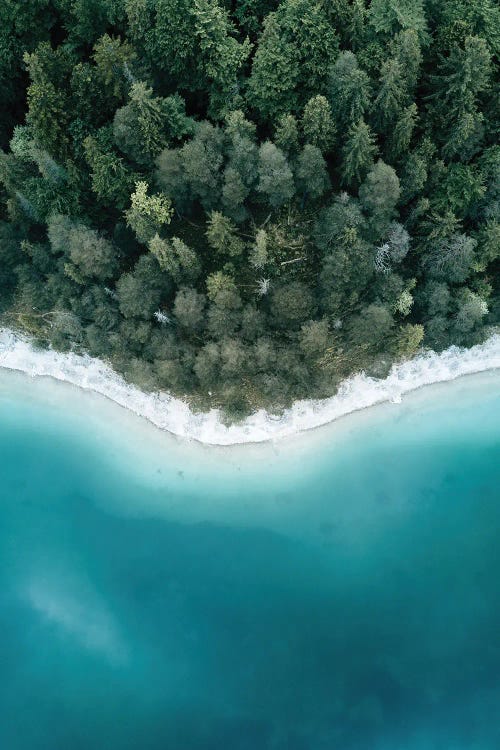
x=175 y=416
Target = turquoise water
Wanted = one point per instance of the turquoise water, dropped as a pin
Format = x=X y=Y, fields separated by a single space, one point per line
x=335 y=591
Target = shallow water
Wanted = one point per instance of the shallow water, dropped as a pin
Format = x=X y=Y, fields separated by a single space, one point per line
x=337 y=590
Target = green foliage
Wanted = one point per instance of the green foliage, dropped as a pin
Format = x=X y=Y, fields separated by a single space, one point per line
x=389 y=99
x=168 y=37
x=286 y=134
x=201 y=162
x=189 y=309
x=113 y=58
x=175 y=257
x=194 y=43
x=317 y=124
x=389 y=16
x=291 y=304
x=47 y=116
x=147 y=124
x=171 y=186
x=112 y=180
x=312 y=173
x=358 y=153
x=461 y=189
x=297 y=45
x=463 y=76
x=139 y=292
x=372 y=326
x=349 y=91
x=379 y=195
x=222 y=235
x=402 y=132
x=275 y=176
x=314 y=338
x=147 y=214
x=222 y=56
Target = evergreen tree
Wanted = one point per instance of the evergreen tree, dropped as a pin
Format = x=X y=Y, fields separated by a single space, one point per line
x=286 y=134
x=358 y=153
x=201 y=163
x=222 y=56
x=222 y=235
x=317 y=124
x=146 y=125
x=168 y=37
x=390 y=96
x=312 y=173
x=400 y=138
x=390 y=16
x=113 y=58
x=112 y=180
x=275 y=175
x=48 y=114
x=349 y=91
x=379 y=195
x=463 y=77
x=147 y=214
x=296 y=47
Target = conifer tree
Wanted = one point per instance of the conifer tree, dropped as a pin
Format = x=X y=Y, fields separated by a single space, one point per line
x=312 y=173
x=400 y=138
x=358 y=153
x=349 y=91
x=462 y=78
x=390 y=16
x=275 y=175
x=390 y=96
x=147 y=213
x=286 y=134
x=317 y=124
x=291 y=62
x=222 y=235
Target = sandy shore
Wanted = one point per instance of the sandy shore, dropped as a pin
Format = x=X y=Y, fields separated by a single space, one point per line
x=174 y=415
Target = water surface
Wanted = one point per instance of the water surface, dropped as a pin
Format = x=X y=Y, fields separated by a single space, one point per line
x=335 y=590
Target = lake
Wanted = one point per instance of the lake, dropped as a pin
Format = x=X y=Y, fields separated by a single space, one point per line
x=336 y=589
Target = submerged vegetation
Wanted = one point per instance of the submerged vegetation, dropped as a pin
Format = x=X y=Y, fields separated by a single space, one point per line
x=246 y=201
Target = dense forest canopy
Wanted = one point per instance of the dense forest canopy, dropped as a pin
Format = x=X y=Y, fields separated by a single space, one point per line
x=245 y=201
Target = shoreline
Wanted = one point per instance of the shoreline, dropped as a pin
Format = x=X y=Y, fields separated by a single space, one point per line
x=173 y=415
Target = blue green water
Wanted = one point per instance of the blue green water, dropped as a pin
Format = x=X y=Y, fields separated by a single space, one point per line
x=336 y=591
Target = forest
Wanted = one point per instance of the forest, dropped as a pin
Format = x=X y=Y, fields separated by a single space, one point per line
x=243 y=202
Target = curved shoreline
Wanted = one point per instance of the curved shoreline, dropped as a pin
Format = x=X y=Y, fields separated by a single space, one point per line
x=175 y=416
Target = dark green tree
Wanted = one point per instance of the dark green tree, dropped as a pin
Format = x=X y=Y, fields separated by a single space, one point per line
x=275 y=176
x=358 y=153
x=312 y=173
x=317 y=124
x=379 y=195
x=291 y=62
x=349 y=91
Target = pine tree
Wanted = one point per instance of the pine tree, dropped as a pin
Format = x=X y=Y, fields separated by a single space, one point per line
x=275 y=175
x=317 y=124
x=147 y=214
x=312 y=173
x=463 y=76
x=113 y=59
x=349 y=91
x=401 y=135
x=390 y=16
x=222 y=235
x=358 y=153
x=291 y=62
x=388 y=102
x=286 y=134
x=221 y=54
